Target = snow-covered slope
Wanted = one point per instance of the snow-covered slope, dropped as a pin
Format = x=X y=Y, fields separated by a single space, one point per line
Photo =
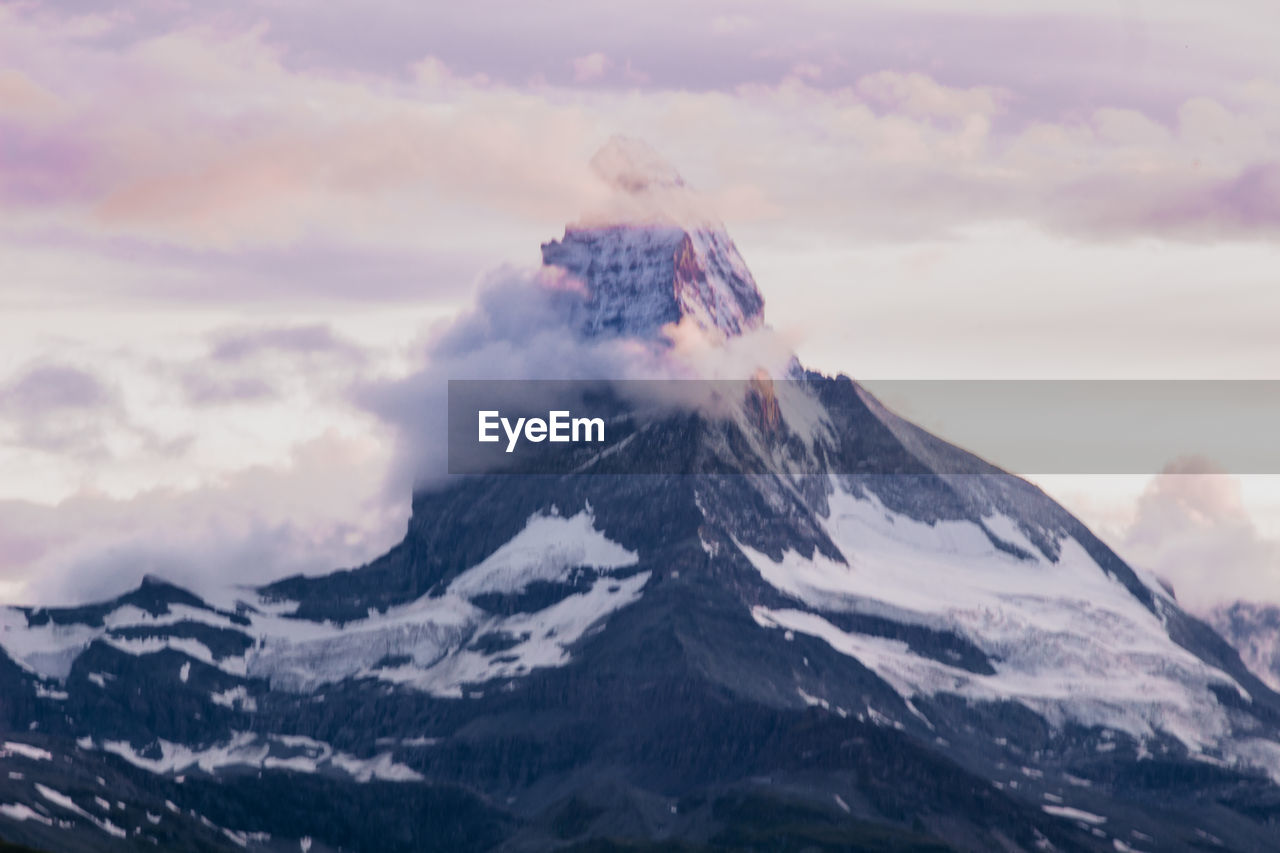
x=1063 y=637
x=435 y=643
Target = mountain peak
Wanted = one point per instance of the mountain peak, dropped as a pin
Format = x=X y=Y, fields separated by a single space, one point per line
x=640 y=278
x=656 y=258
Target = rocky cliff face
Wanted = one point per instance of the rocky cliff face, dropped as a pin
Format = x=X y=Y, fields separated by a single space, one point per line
x=640 y=278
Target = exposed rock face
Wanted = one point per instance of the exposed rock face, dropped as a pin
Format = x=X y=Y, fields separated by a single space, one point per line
x=640 y=278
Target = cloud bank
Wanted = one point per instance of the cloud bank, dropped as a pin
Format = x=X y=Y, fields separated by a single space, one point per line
x=222 y=229
x=1192 y=528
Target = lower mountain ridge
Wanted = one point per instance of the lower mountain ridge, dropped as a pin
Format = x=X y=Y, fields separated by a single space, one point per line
x=847 y=648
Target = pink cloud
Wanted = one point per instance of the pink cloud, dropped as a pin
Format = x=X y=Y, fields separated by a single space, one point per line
x=1192 y=528
x=321 y=510
x=20 y=97
x=918 y=94
x=730 y=25
x=200 y=156
x=590 y=67
x=273 y=151
x=807 y=70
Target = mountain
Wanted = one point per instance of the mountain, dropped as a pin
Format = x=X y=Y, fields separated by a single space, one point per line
x=826 y=630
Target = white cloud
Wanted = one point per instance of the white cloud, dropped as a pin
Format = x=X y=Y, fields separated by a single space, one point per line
x=1215 y=537
x=320 y=509
x=1193 y=528
x=729 y=25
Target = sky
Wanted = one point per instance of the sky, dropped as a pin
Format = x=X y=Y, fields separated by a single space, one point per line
x=224 y=226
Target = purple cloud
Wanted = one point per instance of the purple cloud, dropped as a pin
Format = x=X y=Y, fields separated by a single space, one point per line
x=59 y=409
x=67 y=410
x=55 y=389
x=291 y=340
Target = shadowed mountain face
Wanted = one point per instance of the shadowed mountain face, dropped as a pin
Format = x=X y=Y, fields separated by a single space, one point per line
x=847 y=648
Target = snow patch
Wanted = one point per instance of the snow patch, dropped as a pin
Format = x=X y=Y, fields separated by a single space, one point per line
x=21 y=812
x=234 y=696
x=427 y=643
x=547 y=549
x=45 y=692
x=61 y=800
x=543 y=639
x=1065 y=638
x=26 y=750
x=272 y=752
x=1074 y=814
x=48 y=649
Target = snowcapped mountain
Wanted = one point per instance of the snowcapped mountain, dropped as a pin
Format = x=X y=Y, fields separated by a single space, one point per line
x=849 y=647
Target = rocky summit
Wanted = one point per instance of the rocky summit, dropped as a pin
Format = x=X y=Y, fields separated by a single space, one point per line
x=818 y=636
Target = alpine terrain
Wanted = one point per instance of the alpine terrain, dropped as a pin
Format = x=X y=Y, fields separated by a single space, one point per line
x=816 y=636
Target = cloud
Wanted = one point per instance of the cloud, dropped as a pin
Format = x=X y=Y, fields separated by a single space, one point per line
x=590 y=67
x=238 y=460
x=55 y=389
x=132 y=271
x=205 y=389
x=385 y=158
x=520 y=328
x=316 y=339
x=1191 y=527
x=199 y=405
x=1063 y=53
x=1236 y=205
x=314 y=512
x=60 y=408
x=316 y=170
x=22 y=98
x=265 y=364
x=255 y=365
x=525 y=325
x=271 y=168
x=316 y=505
x=731 y=25
x=918 y=94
